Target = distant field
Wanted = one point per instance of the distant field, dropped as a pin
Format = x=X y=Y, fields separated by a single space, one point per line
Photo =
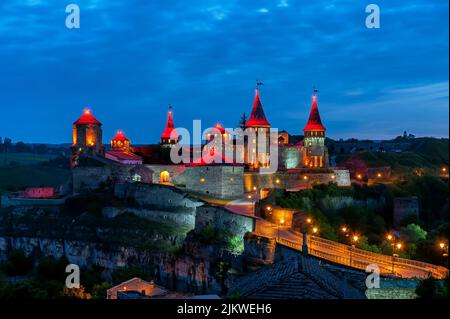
x=19 y=177
x=23 y=158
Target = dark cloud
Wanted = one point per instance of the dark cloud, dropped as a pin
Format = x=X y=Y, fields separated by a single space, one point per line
x=130 y=59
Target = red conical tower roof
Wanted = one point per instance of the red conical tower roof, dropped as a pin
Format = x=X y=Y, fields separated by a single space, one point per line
x=120 y=137
x=314 y=122
x=169 y=125
x=257 y=118
x=87 y=118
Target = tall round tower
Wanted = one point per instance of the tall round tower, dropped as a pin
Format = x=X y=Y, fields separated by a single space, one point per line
x=315 y=153
x=86 y=137
x=258 y=126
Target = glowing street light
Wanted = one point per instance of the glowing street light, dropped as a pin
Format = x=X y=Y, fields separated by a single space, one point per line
x=379 y=175
x=279 y=224
x=355 y=239
x=394 y=255
x=309 y=220
x=444 y=247
x=345 y=230
x=315 y=230
x=359 y=176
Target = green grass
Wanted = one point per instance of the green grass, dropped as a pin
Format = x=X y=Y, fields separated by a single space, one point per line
x=7 y=159
x=15 y=178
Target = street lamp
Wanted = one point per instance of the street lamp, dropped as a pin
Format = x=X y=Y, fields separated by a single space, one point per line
x=444 y=248
x=355 y=239
x=304 y=226
x=345 y=229
x=397 y=246
x=280 y=223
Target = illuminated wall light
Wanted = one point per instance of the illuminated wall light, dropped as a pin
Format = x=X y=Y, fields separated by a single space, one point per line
x=202 y=180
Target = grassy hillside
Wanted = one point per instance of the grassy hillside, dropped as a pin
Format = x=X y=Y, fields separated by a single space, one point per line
x=423 y=153
x=19 y=177
x=21 y=170
x=435 y=151
x=7 y=159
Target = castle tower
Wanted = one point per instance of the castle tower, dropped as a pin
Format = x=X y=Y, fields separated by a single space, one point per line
x=120 y=142
x=258 y=125
x=315 y=153
x=170 y=136
x=86 y=137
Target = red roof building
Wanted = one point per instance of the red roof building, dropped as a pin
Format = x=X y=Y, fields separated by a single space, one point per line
x=120 y=142
x=87 y=119
x=314 y=122
x=257 y=118
x=126 y=158
x=170 y=135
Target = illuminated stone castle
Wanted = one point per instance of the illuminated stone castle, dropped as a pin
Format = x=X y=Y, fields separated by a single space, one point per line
x=301 y=161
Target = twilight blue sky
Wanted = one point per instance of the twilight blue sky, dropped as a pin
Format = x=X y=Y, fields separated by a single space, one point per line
x=132 y=58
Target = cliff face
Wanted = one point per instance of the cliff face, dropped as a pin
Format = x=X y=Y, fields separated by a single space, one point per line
x=181 y=273
x=89 y=239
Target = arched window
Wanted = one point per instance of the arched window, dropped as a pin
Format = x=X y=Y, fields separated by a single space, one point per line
x=164 y=177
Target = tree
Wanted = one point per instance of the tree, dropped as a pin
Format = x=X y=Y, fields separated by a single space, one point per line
x=413 y=233
x=41 y=149
x=21 y=147
x=18 y=264
x=99 y=291
x=77 y=293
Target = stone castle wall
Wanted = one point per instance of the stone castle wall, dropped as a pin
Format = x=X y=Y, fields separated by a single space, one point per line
x=222 y=219
x=179 y=217
x=215 y=180
x=405 y=207
x=88 y=178
x=157 y=196
x=296 y=179
x=176 y=173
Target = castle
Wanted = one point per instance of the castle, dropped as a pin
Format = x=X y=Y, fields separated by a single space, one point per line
x=210 y=170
